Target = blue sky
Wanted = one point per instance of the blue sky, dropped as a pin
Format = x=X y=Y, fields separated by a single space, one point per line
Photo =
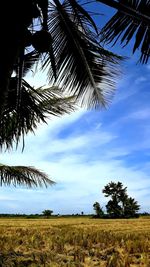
x=85 y=150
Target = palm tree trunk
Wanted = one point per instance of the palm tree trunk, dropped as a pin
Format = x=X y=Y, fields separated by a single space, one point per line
x=8 y=54
x=9 y=46
x=127 y=10
x=17 y=16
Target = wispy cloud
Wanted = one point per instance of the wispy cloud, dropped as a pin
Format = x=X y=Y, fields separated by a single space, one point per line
x=84 y=164
x=140 y=114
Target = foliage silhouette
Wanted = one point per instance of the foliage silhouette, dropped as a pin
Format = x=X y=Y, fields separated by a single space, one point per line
x=130 y=22
x=120 y=205
x=47 y=213
x=99 y=211
x=23 y=176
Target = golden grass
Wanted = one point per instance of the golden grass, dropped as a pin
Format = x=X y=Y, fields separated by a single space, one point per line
x=74 y=242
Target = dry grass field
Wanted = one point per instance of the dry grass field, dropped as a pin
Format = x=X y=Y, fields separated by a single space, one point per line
x=74 y=242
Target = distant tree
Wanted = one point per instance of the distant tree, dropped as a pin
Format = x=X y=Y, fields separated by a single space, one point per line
x=120 y=205
x=113 y=209
x=118 y=195
x=131 y=207
x=47 y=213
x=99 y=211
x=82 y=213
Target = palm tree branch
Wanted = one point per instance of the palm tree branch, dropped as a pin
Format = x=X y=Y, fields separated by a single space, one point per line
x=23 y=175
x=37 y=105
x=126 y=9
x=81 y=13
x=75 y=41
x=76 y=46
x=124 y=26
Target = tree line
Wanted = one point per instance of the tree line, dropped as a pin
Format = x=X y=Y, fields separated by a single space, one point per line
x=119 y=205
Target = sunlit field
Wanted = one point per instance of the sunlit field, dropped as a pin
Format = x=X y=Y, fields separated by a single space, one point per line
x=74 y=242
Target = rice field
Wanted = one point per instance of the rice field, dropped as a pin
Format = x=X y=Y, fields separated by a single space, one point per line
x=74 y=242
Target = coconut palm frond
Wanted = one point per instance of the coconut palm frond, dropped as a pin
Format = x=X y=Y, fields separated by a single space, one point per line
x=52 y=103
x=130 y=21
x=30 y=59
x=37 y=105
x=81 y=15
x=83 y=67
x=23 y=175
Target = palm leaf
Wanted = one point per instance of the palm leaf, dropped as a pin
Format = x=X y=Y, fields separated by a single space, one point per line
x=82 y=15
x=36 y=106
x=126 y=25
x=30 y=59
x=83 y=67
x=22 y=175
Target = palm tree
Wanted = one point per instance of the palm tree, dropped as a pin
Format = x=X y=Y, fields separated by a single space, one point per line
x=23 y=175
x=132 y=20
x=64 y=37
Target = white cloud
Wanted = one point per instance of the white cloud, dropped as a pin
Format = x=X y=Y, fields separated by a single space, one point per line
x=141 y=79
x=84 y=165
x=140 y=114
x=79 y=185
x=148 y=66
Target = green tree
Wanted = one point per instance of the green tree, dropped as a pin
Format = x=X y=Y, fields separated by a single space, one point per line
x=98 y=210
x=131 y=207
x=120 y=205
x=114 y=210
x=47 y=213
